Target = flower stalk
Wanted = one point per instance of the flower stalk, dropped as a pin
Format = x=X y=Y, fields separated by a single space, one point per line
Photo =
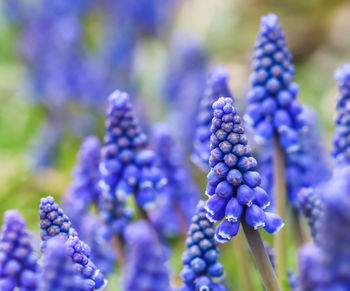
x=262 y=261
x=243 y=260
x=297 y=228
x=280 y=200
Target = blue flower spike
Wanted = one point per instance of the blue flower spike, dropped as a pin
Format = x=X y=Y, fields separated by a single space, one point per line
x=81 y=193
x=187 y=73
x=324 y=263
x=84 y=188
x=305 y=168
x=58 y=273
x=233 y=183
x=217 y=86
x=178 y=199
x=273 y=106
x=311 y=206
x=55 y=224
x=127 y=165
x=341 y=151
x=201 y=257
x=145 y=267
x=18 y=262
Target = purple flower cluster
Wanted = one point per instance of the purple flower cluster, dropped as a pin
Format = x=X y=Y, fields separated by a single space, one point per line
x=81 y=193
x=141 y=17
x=305 y=167
x=233 y=182
x=102 y=253
x=341 y=150
x=178 y=198
x=324 y=264
x=18 y=263
x=273 y=106
x=145 y=267
x=127 y=166
x=58 y=272
x=217 y=86
x=201 y=257
x=54 y=223
x=185 y=84
x=311 y=207
x=84 y=188
x=54 y=58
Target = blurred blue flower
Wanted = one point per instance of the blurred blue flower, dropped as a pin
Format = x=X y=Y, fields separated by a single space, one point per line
x=185 y=85
x=293 y=281
x=233 y=182
x=81 y=193
x=58 y=273
x=217 y=86
x=273 y=106
x=102 y=253
x=145 y=267
x=341 y=150
x=201 y=257
x=84 y=189
x=18 y=262
x=311 y=207
x=306 y=167
x=127 y=166
x=177 y=200
x=324 y=264
x=54 y=223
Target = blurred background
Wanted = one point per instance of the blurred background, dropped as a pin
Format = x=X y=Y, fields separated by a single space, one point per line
x=60 y=60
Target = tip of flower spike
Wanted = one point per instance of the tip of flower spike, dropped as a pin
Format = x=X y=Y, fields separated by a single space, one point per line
x=13 y=215
x=91 y=141
x=118 y=99
x=270 y=20
x=218 y=75
x=200 y=205
x=136 y=231
x=343 y=73
x=222 y=102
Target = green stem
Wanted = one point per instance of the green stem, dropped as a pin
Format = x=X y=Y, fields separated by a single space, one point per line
x=262 y=261
x=280 y=203
x=298 y=230
x=243 y=260
x=118 y=244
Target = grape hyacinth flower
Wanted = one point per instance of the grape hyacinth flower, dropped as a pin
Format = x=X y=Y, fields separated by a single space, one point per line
x=217 y=86
x=84 y=188
x=102 y=253
x=54 y=223
x=18 y=262
x=127 y=166
x=145 y=267
x=81 y=193
x=58 y=272
x=185 y=84
x=324 y=264
x=311 y=206
x=177 y=200
x=233 y=182
x=341 y=150
x=306 y=167
x=201 y=257
x=273 y=106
